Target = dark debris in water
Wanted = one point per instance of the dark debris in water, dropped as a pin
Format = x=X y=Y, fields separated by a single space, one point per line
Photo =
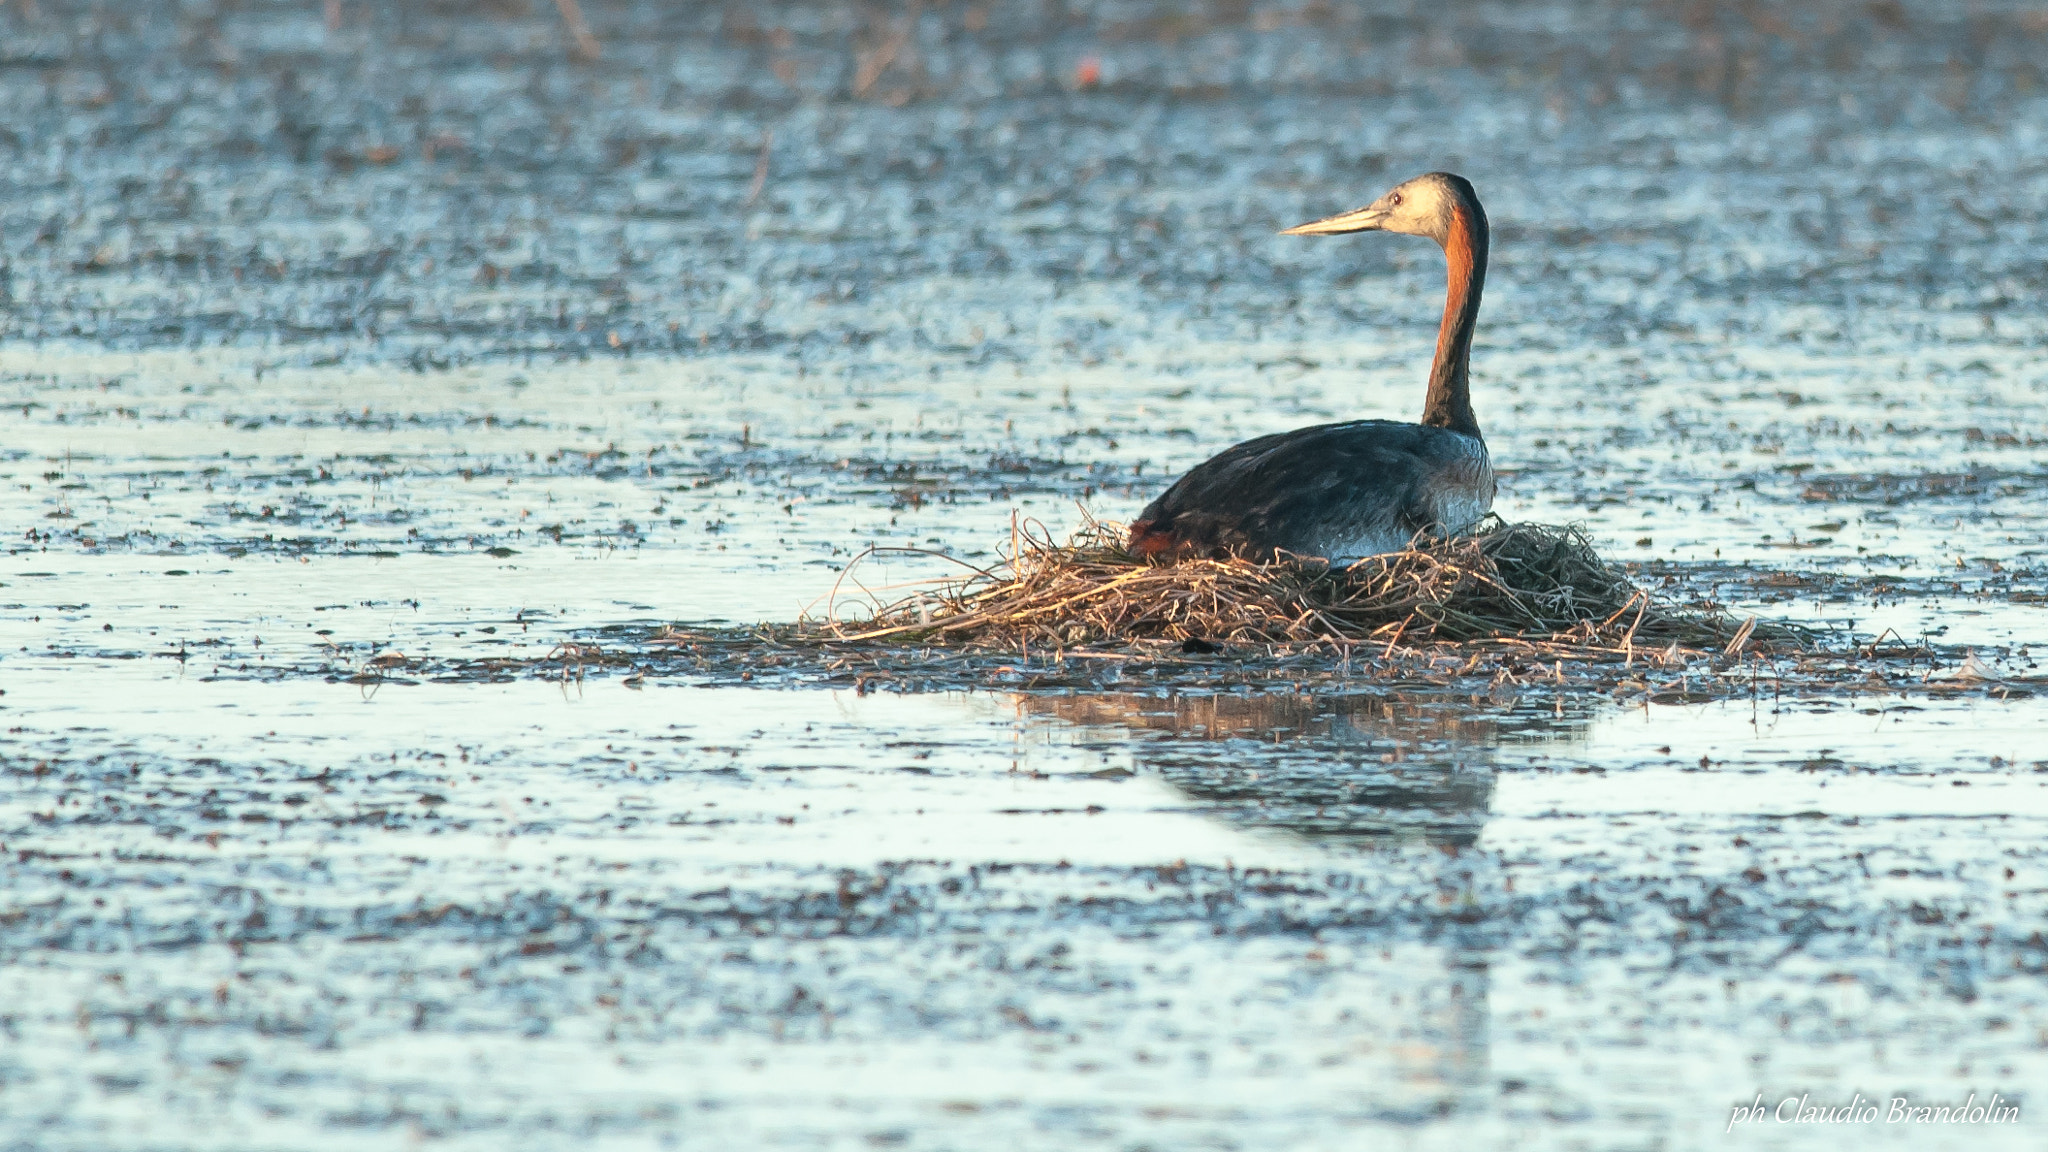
x=1496 y=671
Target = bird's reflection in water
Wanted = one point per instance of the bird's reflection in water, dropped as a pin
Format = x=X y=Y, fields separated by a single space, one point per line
x=1360 y=772
x=1361 y=768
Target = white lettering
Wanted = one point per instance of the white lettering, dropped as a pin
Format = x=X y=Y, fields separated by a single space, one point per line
x=1860 y=1109
x=1746 y=1113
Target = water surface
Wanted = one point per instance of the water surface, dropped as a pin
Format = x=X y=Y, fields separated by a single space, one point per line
x=418 y=336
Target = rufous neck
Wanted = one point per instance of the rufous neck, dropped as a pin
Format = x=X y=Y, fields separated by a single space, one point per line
x=1449 y=403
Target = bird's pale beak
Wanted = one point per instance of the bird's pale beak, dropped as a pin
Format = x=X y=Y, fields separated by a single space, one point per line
x=1367 y=219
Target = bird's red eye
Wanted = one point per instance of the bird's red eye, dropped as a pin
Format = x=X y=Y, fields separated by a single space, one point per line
x=1394 y=200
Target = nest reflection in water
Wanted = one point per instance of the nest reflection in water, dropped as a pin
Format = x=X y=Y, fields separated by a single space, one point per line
x=1365 y=769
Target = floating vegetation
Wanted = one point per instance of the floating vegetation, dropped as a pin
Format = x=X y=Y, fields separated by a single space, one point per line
x=1512 y=615
x=1526 y=585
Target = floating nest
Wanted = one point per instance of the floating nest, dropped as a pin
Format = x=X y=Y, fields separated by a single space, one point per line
x=1532 y=583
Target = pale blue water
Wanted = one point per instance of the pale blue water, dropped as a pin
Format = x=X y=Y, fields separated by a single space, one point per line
x=1762 y=295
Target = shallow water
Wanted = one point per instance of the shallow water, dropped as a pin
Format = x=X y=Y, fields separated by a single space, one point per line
x=417 y=336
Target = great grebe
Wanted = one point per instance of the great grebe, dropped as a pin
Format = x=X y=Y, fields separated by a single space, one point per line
x=1347 y=491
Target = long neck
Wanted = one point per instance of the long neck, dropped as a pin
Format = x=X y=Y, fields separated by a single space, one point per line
x=1449 y=404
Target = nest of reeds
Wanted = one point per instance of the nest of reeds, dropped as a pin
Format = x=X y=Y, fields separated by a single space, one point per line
x=1527 y=581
